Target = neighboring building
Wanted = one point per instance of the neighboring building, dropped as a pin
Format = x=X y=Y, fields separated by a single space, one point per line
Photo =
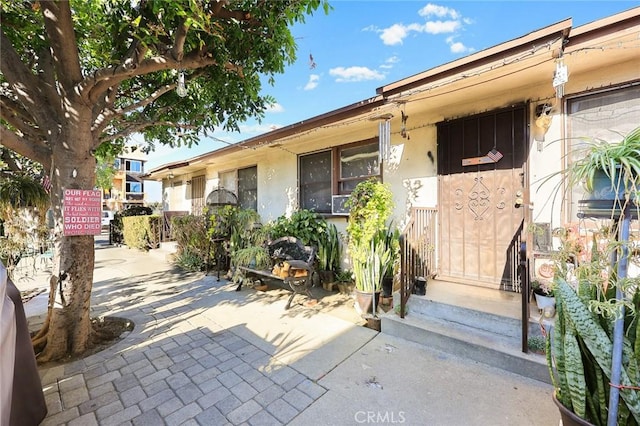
x=469 y=141
x=128 y=186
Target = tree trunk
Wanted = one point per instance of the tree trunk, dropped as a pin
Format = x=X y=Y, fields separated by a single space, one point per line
x=68 y=322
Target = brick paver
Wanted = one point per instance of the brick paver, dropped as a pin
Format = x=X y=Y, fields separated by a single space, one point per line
x=174 y=368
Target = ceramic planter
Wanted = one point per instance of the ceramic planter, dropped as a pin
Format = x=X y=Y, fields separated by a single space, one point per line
x=568 y=417
x=544 y=301
x=365 y=302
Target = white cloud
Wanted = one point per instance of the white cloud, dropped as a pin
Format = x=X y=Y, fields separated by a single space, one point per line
x=314 y=80
x=275 y=108
x=249 y=130
x=439 y=11
x=394 y=34
x=354 y=74
x=439 y=27
x=458 y=47
x=390 y=62
x=451 y=21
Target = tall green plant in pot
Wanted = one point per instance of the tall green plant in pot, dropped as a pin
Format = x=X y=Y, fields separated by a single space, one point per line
x=329 y=254
x=593 y=351
x=370 y=207
x=581 y=345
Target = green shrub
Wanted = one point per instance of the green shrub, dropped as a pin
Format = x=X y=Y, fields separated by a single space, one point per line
x=117 y=236
x=192 y=239
x=190 y=261
x=306 y=225
x=141 y=232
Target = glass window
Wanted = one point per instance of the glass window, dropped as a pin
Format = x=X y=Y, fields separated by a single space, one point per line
x=133 y=166
x=357 y=163
x=116 y=164
x=315 y=181
x=600 y=116
x=134 y=187
x=345 y=165
x=248 y=188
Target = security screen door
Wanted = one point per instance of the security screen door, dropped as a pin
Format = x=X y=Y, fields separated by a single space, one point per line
x=481 y=177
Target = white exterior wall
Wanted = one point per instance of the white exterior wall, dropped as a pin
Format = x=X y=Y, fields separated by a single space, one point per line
x=410 y=172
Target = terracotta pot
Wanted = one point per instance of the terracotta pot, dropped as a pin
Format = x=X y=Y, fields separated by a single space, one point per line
x=568 y=417
x=364 y=301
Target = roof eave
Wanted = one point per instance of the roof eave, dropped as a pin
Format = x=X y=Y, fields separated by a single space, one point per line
x=494 y=53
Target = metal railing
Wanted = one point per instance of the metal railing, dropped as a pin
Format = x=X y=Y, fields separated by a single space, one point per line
x=513 y=282
x=417 y=251
x=165 y=233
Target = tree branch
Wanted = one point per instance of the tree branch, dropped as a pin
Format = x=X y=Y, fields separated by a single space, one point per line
x=15 y=114
x=22 y=146
x=61 y=34
x=136 y=128
x=46 y=74
x=102 y=121
x=24 y=84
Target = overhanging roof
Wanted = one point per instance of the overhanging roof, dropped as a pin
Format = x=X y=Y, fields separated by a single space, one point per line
x=363 y=107
x=525 y=61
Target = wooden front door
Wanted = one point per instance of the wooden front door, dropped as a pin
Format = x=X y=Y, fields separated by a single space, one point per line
x=480 y=224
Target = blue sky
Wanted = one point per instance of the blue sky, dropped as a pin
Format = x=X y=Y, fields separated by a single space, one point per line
x=362 y=45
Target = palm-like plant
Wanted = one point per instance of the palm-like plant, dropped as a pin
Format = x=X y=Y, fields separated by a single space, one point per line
x=619 y=161
x=18 y=191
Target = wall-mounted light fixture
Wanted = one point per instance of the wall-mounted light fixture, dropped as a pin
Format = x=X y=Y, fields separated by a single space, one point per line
x=170 y=176
x=541 y=123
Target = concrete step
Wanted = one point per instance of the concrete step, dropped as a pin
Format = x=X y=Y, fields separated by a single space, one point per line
x=499 y=324
x=483 y=337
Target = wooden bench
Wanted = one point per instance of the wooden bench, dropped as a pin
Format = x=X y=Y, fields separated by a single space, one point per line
x=292 y=266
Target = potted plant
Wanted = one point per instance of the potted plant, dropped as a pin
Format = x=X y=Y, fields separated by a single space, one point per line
x=580 y=347
x=370 y=207
x=329 y=255
x=543 y=293
x=344 y=278
x=391 y=240
x=593 y=349
x=609 y=173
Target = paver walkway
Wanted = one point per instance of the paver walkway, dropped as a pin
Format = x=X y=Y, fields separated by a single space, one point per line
x=203 y=354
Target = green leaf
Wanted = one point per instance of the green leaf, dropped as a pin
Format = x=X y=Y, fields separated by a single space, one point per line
x=598 y=342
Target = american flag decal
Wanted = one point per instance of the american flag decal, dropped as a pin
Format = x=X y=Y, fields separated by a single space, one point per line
x=495 y=155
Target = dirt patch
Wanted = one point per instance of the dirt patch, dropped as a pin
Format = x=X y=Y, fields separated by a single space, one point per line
x=106 y=331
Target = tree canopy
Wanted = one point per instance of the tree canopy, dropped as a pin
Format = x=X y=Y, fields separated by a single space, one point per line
x=78 y=77
x=122 y=58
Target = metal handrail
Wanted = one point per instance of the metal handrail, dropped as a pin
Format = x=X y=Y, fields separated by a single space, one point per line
x=417 y=251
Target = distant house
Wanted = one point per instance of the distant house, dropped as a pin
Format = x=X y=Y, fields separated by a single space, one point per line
x=127 y=186
x=464 y=146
